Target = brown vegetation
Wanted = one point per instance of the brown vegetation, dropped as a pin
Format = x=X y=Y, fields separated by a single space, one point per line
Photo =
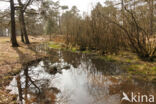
x=12 y=59
x=110 y=29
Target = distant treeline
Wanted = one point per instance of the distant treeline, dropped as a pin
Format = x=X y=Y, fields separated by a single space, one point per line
x=127 y=25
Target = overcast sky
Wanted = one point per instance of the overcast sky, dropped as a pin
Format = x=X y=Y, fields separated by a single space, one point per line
x=83 y=5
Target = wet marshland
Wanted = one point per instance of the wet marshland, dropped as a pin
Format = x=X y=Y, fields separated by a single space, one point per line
x=75 y=78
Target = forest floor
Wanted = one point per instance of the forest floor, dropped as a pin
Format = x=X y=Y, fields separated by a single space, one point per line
x=12 y=59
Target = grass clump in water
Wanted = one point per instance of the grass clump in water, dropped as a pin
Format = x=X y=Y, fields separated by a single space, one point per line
x=54 y=45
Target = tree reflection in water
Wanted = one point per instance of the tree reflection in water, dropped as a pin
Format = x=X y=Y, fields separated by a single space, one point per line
x=77 y=79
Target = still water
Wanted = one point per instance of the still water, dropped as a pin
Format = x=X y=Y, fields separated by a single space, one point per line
x=74 y=78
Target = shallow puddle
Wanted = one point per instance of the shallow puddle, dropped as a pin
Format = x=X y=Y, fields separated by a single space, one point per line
x=72 y=78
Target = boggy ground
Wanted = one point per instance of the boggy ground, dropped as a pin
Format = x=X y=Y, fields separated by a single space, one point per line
x=128 y=60
x=12 y=60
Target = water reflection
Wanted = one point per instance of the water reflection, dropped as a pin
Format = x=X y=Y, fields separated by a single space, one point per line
x=71 y=78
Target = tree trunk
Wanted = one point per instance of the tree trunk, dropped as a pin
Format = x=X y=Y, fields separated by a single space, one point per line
x=60 y=25
x=22 y=36
x=22 y=23
x=24 y=27
x=19 y=88
x=26 y=85
x=21 y=29
x=13 y=28
x=122 y=11
x=151 y=17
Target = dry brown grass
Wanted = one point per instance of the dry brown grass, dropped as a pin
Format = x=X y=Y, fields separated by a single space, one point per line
x=11 y=60
x=58 y=39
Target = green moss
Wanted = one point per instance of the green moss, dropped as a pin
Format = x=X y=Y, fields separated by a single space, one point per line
x=106 y=58
x=54 y=45
x=7 y=77
x=133 y=67
x=74 y=49
x=109 y=58
x=128 y=60
x=87 y=51
x=154 y=68
x=138 y=69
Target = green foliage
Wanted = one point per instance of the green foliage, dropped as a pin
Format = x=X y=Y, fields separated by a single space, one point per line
x=51 y=27
x=64 y=7
x=50 y=13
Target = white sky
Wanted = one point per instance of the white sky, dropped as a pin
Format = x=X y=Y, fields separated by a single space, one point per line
x=3 y=5
x=82 y=5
